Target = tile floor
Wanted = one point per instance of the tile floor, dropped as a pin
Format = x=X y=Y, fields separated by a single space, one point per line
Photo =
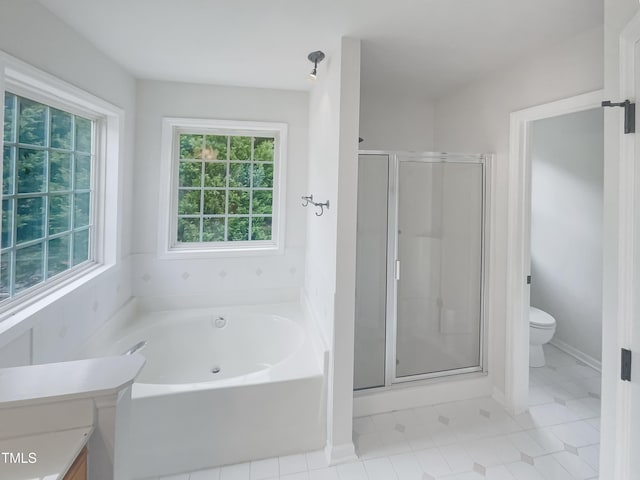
x=558 y=439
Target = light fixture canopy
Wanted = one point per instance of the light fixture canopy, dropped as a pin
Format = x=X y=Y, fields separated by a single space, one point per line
x=315 y=58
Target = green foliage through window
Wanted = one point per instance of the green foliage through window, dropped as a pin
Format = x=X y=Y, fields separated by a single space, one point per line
x=225 y=188
x=46 y=201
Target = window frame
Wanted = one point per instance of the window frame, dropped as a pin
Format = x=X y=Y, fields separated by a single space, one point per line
x=172 y=128
x=24 y=80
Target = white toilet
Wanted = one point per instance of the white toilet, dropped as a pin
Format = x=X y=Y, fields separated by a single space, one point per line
x=542 y=326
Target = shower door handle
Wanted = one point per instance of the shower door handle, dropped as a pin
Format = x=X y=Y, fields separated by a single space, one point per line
x=397 y=272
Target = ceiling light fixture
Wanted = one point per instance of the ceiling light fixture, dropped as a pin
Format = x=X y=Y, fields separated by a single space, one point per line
x=315 y=58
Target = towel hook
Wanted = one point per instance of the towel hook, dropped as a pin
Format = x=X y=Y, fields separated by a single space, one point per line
x=308 y=199
x=321 y=205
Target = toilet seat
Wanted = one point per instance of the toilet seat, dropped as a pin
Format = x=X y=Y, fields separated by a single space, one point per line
x=541 y=319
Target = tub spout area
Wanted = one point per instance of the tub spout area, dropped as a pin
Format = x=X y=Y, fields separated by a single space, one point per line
x=136 y=348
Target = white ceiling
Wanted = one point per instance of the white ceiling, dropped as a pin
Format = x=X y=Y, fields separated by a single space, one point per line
x=432 y=45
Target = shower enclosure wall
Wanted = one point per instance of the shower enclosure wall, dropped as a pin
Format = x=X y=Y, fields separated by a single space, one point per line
x=420 y=266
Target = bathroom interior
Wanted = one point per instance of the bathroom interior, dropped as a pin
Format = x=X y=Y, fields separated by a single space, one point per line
x=344 y=316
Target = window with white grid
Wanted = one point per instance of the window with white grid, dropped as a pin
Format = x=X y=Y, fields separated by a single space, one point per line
x=47 y=166
x=226 y=187
x=61 y=150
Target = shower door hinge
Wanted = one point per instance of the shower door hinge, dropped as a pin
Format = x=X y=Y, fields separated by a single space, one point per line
x=625 y=365
x=397 y=270
x=629 y=114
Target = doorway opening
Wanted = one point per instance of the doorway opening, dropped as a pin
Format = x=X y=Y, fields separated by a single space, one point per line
x=554 y=282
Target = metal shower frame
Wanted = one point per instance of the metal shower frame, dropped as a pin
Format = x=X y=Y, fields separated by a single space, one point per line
x=395 y=157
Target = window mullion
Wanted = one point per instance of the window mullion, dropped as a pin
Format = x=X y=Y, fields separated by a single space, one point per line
x=201 y=221
x=14 y=239
x=45 y=200
x=14 y=223
x=72 y=208
x=253 y=145
x=226 y=190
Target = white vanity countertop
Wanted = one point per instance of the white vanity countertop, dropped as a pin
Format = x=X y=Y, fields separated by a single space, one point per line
x=54 y=452
x=94 y=377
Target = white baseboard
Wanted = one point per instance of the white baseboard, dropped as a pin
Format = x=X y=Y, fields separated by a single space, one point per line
x=577 y=354
x=337 y=454
x=400 y=397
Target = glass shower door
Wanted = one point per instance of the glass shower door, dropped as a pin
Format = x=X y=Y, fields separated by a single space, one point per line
x=439 y=269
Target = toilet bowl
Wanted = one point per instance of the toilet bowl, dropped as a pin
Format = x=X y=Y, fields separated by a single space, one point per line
x=542 y=326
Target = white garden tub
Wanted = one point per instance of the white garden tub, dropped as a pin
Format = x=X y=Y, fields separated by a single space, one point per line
x=220 y=386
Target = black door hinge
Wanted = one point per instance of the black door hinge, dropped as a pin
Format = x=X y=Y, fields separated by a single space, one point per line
x=625 y=370
x=629 y=114
x=528 y=279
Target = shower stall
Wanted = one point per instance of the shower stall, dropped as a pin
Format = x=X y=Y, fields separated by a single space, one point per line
x=420 y=266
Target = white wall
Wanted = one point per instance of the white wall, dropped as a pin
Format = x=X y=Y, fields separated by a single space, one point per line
x=329 y=284
x=31 y=33
x=567 y=156
x=163 y=283
x=395 y=120
x=476 y=119
x=617 y=13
